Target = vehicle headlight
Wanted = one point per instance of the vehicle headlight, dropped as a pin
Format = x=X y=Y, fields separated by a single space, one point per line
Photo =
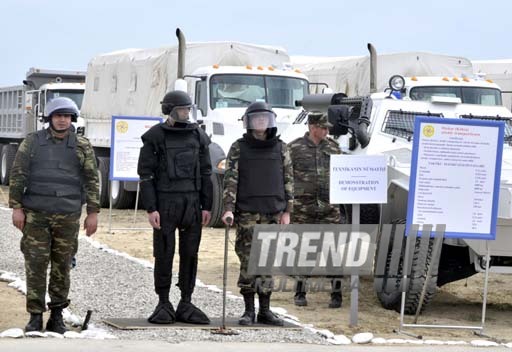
x=397 y=83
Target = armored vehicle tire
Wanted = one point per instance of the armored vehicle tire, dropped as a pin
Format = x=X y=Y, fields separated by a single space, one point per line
x=121 y=198
x=388 y=286
x=103 y=169
x=217 y=207
x=7 y=158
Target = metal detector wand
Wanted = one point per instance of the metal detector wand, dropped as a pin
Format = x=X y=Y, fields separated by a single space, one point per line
x=225 y=275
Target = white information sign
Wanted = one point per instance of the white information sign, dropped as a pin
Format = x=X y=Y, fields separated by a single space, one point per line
x=455 y=175
x=125 y=144
x=358 y=179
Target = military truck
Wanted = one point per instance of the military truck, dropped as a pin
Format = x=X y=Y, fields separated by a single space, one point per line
x=22 y=108
x=223 y=78
x=383 y=123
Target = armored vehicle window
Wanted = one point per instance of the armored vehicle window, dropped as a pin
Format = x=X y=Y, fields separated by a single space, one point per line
x=508 y=124
x=401 y=123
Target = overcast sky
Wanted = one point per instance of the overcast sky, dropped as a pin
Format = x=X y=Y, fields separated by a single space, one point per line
x=58 y=34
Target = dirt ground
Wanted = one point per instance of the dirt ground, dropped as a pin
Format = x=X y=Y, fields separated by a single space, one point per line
x=458 y=303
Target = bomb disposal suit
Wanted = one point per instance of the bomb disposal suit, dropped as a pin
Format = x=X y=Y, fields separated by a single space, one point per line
x=174 y=168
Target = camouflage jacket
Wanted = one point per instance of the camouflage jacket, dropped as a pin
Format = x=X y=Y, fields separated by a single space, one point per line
x=311 y=167
x=231 y=177
x=20 y=171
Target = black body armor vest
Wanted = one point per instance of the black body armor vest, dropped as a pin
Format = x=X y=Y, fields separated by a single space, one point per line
x=261 y=177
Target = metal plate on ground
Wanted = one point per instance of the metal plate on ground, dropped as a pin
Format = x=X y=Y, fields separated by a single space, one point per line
x=142 y=323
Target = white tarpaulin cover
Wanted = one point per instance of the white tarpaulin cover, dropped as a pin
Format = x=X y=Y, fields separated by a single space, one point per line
x=351 y=75
x=500 y=72
x=132 y=82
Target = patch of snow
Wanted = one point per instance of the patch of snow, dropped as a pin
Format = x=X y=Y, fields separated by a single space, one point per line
x=12 y=333
x=363 y=337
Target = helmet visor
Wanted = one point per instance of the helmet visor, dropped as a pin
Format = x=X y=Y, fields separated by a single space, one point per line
x=185 y=113
x=259 y=120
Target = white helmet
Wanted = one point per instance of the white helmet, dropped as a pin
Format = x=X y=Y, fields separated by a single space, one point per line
x=61 y=105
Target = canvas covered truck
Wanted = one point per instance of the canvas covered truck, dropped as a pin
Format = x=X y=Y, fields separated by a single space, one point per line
x=351 y=75
x=383 y=123
x=22 y=108
x=223 y=78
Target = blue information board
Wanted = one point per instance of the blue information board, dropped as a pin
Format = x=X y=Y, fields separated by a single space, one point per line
x=455 y=176
x=125 y=144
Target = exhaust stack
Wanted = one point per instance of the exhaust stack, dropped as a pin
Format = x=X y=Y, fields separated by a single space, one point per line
x=373 y=68
x=182 y=46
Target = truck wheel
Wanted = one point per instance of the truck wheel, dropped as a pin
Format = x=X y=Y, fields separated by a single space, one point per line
x=121 y=198
x=8 y=154
x=103 y=171
x=217 y=206
x=388 y=286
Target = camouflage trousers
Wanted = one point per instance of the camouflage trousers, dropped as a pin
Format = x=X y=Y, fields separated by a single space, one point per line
x=244 y=229
x=48 y=239
x=311 y=211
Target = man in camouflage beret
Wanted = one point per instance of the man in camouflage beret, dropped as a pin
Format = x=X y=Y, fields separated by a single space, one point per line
x=310 y=156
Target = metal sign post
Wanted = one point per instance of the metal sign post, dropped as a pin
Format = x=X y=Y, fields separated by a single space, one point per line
x=354 y=279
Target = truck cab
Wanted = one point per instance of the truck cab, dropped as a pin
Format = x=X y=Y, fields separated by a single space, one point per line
x=222 y=93
x=36 y=100
x=461 y=89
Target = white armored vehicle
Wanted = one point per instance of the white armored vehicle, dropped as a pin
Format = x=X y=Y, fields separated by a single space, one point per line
x=383 y=123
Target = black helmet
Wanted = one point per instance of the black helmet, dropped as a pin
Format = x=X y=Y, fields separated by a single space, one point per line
x=61 y=105
x=173 y=99
x=259 y=108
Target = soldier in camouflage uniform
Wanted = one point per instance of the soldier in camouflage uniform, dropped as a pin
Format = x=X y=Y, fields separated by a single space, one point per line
x=258 y=189
x=310 y=156
x=53 y=175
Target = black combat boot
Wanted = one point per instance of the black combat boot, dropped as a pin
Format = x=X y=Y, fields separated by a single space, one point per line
x=164 y=312
x=35 y=323
x=189 y=313
x=336 y=300
x=300 y=294
x=265 y=316
x=249 y=316
x=55 y=323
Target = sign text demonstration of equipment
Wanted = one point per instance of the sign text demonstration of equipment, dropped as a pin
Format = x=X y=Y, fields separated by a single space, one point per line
x=358 y=179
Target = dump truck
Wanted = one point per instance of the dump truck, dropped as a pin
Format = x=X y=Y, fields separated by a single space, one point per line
x=22 y=108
